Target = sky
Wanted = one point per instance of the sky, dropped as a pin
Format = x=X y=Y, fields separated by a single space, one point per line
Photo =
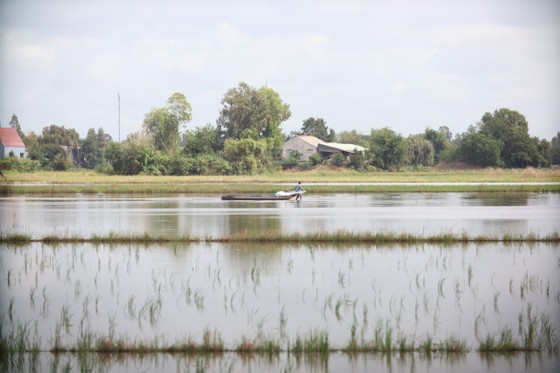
x=359 y=65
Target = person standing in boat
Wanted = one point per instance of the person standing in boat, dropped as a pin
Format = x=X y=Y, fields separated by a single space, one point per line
x=299 y=188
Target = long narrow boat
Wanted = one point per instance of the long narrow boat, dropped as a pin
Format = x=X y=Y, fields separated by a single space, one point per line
x=278 y=196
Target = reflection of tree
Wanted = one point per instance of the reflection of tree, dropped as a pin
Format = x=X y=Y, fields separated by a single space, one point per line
x=498 y=199
x=254 y=222
x=250 y=257
x=164 y=223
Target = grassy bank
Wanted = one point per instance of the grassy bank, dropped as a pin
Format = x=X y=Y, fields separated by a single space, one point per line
x=379 y=182
x=338 y=237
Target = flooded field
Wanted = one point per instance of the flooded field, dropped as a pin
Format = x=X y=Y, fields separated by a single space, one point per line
x=417 y=213
x=308 y=308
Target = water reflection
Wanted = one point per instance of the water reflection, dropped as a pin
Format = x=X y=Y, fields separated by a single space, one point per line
x=232 y=362
x=417 y=213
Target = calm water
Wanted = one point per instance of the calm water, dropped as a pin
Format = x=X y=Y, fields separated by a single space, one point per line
x=419 y=213
x=172 y=293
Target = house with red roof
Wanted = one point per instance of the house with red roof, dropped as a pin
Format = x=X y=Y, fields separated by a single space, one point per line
x=11 y=142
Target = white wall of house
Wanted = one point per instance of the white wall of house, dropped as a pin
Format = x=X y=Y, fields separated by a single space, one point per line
x=18 y=152
x=304 y=148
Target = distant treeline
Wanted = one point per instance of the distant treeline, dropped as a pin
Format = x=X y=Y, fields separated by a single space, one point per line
x=247 y=139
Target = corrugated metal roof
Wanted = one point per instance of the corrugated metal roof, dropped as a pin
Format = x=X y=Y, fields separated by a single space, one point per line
x=10 y=138
x=349 y=148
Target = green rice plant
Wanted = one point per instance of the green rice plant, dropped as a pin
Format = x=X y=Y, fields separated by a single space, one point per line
x=65 y=319
x=352 y=345
x=211 y=341
x=315 y=342
x=504 y=344
x=451 y=345
x=14 y=238
x=426 y=346
x=548 y=334
x=297 y=346
x=404 y=345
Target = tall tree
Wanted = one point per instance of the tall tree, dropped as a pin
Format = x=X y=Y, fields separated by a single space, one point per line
x=164 y=124
x=14 y=123
x=245 y=155
x=318 y=127
x=58 y=135
x=439 y=139
x=510 y=130
x=478 y=148
x=352 y=137
x=388 y=148
x=420 y=151
x=555 y=149
x=92 y=148
x=203 y=140
x=254 y=113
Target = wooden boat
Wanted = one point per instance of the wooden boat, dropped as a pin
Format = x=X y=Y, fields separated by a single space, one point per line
x=278 y=196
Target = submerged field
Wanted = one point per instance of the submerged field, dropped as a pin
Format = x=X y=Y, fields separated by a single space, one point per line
x=272 y=299
x=423 y=282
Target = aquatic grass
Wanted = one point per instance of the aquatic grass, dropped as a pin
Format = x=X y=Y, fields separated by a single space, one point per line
x=251 y=236
x=452 y=344
x=14 y=238
x=504 y=344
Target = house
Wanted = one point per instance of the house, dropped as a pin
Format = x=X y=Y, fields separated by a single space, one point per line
x=10 y=142
x=303 y=144
x=308 y=145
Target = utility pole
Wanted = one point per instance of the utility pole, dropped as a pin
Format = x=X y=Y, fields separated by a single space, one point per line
x=119 y=97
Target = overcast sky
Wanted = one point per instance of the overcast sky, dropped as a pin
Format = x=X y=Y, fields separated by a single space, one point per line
x=406 y=65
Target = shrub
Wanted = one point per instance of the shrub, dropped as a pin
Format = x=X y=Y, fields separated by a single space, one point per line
x=20 y=164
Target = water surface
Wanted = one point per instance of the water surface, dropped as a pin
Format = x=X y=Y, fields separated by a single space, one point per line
x=417 y=213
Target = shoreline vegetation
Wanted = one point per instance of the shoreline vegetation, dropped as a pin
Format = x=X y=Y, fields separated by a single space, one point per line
x=327 y=180
x=315 y=342
x=338 y=237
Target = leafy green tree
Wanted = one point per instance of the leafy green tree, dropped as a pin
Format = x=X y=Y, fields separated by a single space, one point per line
x=358 y=161
x=203 y=140
x=388 y=148
x=510 y=130
x=14 y=123
x=93 y=147
x=50 y=156
x=254 y=114
x=352 y=137
x=420 y=151
x=55 y=148
x=544 y=151
x=440 y=141
x=246 y=155
x=210 y=164
x=478 y=148
x=58 y=135
x=136 y=155
x=164 y=124
x=318 y=127
x=555 y=149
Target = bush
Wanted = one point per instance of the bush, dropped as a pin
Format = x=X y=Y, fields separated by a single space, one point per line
x=105 y=168
x=19 y=164
x=316 y=159
x=338 y=159
x=211 y=164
